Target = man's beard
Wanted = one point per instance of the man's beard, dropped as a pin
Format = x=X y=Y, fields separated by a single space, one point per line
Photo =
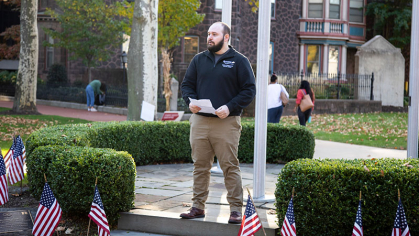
x=217 y=47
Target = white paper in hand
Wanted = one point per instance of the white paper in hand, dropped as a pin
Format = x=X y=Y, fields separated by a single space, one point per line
x=204 y=104
x=147 y=111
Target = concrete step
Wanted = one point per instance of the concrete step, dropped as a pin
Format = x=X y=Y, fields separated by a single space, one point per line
x=169 y=223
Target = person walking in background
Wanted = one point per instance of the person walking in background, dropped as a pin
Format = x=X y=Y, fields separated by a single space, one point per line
x=303 y=90
x=95 y=87
x=275 y=106
x=225 y=77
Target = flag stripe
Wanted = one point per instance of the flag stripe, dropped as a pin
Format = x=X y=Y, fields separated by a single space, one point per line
x=48 y=215
x=251 y=222
x=4 y=192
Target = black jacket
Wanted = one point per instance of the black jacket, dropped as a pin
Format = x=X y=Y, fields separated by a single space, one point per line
x=230 y=82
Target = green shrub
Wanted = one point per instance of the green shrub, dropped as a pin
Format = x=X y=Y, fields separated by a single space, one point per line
x=7 y=77
x=168 y=142
x=71 y=173
x=57 y=75
x=327 y=195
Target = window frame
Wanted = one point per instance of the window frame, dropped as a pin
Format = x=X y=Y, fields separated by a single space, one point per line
x=273 y=9
x=339 y=7
x=220 y=8
x=183 y=47
x=337 y=61
x=49 y=59
x=361 y=9
x=319 y=58
x=308 y=9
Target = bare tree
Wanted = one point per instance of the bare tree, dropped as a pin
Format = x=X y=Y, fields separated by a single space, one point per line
x=25 y=96
x=142 y=58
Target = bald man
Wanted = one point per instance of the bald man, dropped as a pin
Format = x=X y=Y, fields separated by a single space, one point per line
x=224 y=76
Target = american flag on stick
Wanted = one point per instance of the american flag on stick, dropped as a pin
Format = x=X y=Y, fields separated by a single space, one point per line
x=48 y=215
x=9 y=154
x=358 y=228
x=288 y=227
x=4 y=192
x=400 y=227
x=250 y=223
x=16 y=162
x=97 y=214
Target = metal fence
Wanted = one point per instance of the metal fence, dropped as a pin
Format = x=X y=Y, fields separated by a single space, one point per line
x=325 y=86
x=330 y=86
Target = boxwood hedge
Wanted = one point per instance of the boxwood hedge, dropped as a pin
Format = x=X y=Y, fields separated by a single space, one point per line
x=73 y=155
x=168 y=142
x=327 y=194
x=71 y=172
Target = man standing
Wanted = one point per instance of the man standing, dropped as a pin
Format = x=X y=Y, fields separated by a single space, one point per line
x=225 y=77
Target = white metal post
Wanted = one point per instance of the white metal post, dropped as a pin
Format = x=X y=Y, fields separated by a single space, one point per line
x=226 y=18
x=259 y=162
x=412 y=131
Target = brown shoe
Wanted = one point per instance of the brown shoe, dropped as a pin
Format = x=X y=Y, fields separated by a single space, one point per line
x=235 y=218
x=193 y=213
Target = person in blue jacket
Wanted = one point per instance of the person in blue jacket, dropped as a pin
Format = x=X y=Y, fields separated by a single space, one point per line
x=225 y=77
x=95 y=87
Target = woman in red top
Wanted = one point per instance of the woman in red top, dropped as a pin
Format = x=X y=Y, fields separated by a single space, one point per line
x=304 y=89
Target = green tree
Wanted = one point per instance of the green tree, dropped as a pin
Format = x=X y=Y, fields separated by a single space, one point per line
x=392 y=20
x=175 y=19
x=90 y=29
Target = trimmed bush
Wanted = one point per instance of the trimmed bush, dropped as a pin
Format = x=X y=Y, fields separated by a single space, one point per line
x=168 y=142
x=327 y=195
x=71 y=173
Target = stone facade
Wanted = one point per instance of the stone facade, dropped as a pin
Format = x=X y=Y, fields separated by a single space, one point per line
x=244 y=26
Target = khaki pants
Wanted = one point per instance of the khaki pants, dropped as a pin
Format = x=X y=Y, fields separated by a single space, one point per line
x=220 y=137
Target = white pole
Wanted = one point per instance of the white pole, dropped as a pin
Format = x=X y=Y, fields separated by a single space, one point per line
x=259 y=162
x=412 y=131
x=226 y=18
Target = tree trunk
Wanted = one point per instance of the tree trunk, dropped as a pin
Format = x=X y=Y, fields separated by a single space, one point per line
x=166 y=60
x=142 y=58
x=25 y=96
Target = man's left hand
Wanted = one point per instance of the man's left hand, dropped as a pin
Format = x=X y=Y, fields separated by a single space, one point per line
x=222 y=112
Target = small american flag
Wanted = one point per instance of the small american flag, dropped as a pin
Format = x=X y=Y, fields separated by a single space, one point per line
x=48 y=215
x=358 y=228
x=16 y=163
x=288 y=227
x=98 y=215
x=4 y=192
x=9 y=154
x=250 y=223
x=400 y=224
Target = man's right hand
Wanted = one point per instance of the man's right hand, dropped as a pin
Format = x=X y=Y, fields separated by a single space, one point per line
x=194 y=109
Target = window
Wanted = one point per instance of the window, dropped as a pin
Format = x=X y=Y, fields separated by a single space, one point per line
x=356 y=11
x=313 y=59
x=190 y=48
x=50 y=52
x=333 y=59
x=218 y=4
x=271 y=57
x=334 y=8
x=273 y=8
x=315 y=8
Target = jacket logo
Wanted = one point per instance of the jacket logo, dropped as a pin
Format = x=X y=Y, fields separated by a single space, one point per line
x=228 y=64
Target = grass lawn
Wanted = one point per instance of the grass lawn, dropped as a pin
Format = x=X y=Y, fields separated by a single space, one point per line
x=385 y=130
x=26 y=124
